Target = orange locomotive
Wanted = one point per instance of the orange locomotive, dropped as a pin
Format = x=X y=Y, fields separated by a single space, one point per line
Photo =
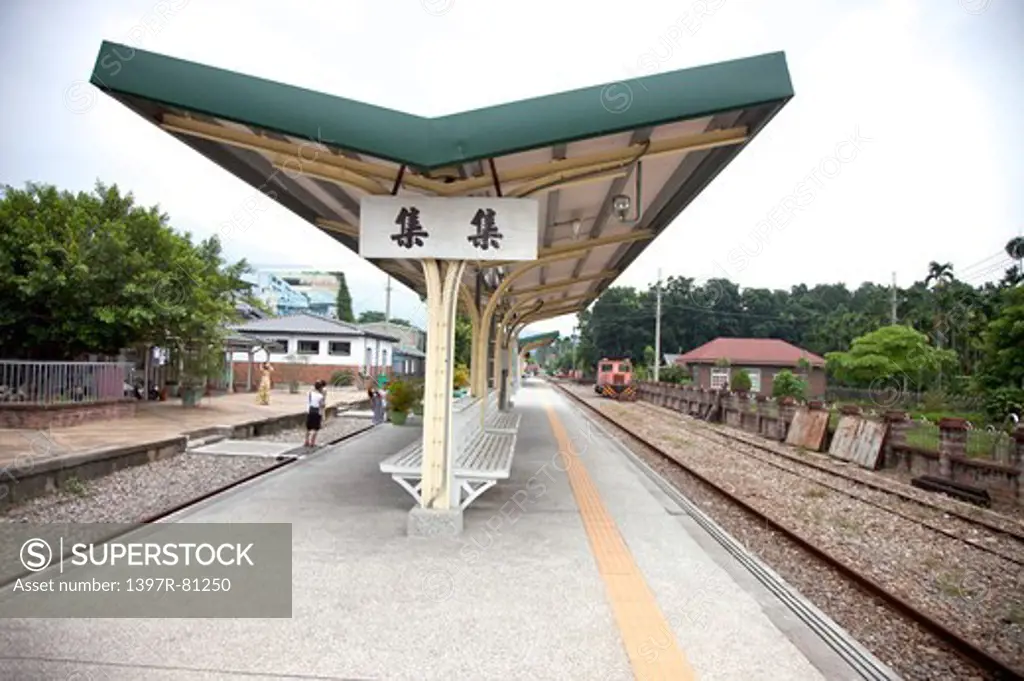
x=615 y=379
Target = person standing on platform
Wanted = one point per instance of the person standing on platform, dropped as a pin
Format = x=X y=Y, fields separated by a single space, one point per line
x=377 y=404
x=264 y=394
x=316 y=406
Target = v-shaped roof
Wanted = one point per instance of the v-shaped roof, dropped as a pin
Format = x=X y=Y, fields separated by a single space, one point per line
x=659 y=140
x=427 y=143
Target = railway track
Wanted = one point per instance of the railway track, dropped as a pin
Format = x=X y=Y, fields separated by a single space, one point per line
x=282 y=461
x=992 y=665
x=1015 y=543
x=1006 y=527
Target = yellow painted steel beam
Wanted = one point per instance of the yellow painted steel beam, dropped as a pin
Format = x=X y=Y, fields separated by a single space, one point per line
x=558 y=302
x=551 y=170
x=577 y=247
x=567 y=283
x=315 y=152
x=555 y=254
x=322 y=171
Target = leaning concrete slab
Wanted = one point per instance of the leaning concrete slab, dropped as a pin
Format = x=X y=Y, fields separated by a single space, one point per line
x=245 y=448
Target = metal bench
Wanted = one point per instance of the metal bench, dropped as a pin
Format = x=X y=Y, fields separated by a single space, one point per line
x=497 y=421
x=482 y=457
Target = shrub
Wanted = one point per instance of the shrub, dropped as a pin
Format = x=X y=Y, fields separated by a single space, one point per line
x=401 y=396
x=673 y=374
x=460 y=377
x=934 y=400
x=788 y=384
x=342 y=378
x=1002 y=402
x=740 y=381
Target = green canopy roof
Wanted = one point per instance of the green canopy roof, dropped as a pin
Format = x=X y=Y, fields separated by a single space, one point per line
x=457 y=138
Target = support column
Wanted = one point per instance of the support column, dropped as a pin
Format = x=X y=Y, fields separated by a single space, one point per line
x=513 y=360
x=439 y=512
x=498 y=362
x=478 y=368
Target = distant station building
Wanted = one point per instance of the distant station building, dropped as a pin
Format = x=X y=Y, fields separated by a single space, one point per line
x=761 y=358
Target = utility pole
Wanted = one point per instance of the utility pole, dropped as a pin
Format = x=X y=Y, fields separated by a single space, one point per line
x=387 y=302
x=893 y=298
x=657 y=332
x=575 y=343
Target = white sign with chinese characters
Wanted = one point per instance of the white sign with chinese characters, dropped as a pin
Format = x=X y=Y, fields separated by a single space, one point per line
x=458 y=228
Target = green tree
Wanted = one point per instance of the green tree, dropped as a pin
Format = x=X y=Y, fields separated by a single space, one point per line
x=1003 y=363
x=463 y=340
x=788 y=384
x=94 y=273
x=344 y=299
x=740 y=381
x=891 y=352
x=373 y=316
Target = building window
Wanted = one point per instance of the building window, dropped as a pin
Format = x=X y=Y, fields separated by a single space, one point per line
x=308 y=347
x=340 y=348
x=384 y=358
x=755 y=379
x=719 y=379
x=283 y=342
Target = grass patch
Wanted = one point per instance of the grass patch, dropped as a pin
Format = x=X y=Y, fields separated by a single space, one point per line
x=815 y=493
x=981 y=444
x=74 y=486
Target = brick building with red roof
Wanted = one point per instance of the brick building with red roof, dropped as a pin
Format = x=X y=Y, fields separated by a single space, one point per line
x=762 y=358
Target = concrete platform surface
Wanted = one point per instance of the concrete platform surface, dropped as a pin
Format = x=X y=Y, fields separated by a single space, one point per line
x=158 y=421
x=524 y=593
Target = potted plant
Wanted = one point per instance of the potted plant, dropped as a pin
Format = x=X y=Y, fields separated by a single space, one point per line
x=417 y=404
x=400 y=400
x=293 y=360
x=198 y=366
x=741 y=383
x=460 y=380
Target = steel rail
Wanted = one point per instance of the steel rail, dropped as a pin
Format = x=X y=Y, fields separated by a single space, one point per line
x=982 y=658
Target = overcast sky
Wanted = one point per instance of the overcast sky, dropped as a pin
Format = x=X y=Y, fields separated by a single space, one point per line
x=927 y=87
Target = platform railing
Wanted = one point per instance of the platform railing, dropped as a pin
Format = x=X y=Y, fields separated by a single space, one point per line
x=48 y=383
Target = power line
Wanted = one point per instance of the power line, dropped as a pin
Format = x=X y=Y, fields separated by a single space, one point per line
x=989 y=272
x=980 y=264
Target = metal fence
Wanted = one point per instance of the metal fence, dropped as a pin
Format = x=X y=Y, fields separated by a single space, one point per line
x=45 y=383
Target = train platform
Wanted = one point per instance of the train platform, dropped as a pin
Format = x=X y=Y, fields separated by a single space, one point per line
x=577 y=567
x=157 y=421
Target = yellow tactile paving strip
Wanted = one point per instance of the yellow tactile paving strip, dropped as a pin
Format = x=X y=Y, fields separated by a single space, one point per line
x=649 y=641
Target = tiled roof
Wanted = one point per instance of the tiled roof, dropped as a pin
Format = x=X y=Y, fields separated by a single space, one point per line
x=409 y=351
x=307 y=322
x=765 y=351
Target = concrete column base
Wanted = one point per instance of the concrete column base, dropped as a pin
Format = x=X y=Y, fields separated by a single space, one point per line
x=434 y=522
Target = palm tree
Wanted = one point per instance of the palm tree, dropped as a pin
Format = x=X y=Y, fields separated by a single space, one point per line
x=940 y=273
x=1015 y=248
x=939 y=276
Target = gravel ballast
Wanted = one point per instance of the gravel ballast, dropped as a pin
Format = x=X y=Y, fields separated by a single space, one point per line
x=972 y=591
x=133 y=494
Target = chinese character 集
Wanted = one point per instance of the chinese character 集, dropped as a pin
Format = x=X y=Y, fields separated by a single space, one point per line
x=411 y=230
x=487 y=233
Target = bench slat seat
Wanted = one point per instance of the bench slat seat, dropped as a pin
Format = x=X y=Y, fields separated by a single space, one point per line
x=503 y=421
x=482 y=456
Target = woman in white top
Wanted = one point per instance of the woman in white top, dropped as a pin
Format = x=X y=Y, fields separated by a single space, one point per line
x=316 y=402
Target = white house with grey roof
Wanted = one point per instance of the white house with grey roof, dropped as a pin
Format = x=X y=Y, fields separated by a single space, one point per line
x=311 y=347
x=410 y=354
